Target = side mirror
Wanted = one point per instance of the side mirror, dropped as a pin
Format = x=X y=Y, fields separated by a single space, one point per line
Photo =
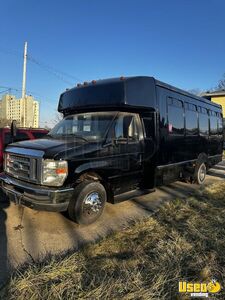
x=13 y=129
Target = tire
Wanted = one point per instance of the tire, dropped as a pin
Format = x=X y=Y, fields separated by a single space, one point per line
x=200 y=173
x=88 y=202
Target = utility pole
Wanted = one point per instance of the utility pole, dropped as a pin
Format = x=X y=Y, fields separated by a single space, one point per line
x=24 y=81
x=24 y=71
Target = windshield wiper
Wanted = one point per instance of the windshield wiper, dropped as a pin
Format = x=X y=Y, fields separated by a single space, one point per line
x=77 y=136
x=68 y=134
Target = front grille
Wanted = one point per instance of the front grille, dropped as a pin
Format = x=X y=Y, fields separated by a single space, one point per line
x=21 y=167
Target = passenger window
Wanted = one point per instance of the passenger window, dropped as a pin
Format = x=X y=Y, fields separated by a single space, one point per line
x=192 y=107
x=191 y=119
x=213 y=123
x=175 y=117
x=204 y=111
x=203 y=122
x=220 y=125
x=177 y=103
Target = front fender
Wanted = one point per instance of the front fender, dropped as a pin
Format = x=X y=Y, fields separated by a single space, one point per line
x=93 y=165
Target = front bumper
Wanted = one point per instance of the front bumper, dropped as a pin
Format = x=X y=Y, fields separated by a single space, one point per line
x=36 y=197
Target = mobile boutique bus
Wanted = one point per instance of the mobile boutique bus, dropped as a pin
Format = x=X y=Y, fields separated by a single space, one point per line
x=119 y=138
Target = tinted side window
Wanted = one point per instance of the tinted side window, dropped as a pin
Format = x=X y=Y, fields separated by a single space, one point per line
x=213 y=123
x=204 y=111
x=220 y=124
x=203 y=123
x=191 y=119
x=175 y=116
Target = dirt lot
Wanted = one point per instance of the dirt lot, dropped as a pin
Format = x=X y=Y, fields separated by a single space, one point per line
x=26 y=234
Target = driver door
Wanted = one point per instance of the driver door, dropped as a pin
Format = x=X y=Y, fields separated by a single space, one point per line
x=127 y=152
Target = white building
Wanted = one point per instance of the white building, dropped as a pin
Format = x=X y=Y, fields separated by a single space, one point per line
x=24 y=111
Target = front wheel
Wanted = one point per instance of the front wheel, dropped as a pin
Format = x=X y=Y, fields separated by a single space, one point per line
x=200 y=173
x=88 y=202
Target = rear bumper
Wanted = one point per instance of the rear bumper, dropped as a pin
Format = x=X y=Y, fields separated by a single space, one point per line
x=36 y=197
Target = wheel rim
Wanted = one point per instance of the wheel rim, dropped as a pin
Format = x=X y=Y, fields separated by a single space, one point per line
x=92 y=204
x=202 y=172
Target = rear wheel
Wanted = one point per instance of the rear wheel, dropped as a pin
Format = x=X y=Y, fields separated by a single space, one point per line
x=200 y=173
x=88 y=202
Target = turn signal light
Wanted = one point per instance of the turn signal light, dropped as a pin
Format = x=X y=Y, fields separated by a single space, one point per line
x=61 y=171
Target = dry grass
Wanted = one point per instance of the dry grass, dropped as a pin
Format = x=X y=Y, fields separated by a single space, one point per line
x=185 y=239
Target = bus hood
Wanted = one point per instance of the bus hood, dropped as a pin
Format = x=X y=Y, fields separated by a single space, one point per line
x=56 y=148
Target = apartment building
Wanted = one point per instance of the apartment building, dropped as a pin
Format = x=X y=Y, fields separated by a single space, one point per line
x=24 y=111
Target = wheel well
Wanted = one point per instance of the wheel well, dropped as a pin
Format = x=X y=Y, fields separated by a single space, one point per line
x=92 y=175
x=203 y=158
x=89 y=175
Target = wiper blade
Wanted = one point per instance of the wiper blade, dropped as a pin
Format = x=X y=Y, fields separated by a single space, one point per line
x=77 y=136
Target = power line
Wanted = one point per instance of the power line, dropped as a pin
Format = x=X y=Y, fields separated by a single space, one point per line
x=56 y=72
x=10 y=88
x=51 y=69
x=48 y=69
x=2 y=92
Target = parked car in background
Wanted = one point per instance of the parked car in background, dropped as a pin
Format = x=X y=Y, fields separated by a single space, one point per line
x=6 y=137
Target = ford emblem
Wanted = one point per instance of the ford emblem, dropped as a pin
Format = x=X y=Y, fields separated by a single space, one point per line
x=17 y=166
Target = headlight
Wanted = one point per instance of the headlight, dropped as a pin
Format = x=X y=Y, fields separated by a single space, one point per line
x=54 y=172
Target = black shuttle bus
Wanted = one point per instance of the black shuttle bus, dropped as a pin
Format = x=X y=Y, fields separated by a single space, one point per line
x=119 y=138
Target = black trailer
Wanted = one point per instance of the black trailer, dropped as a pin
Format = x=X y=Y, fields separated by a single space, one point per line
x=119 y=138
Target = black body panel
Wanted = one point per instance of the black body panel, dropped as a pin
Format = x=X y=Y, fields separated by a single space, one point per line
x=132 y=92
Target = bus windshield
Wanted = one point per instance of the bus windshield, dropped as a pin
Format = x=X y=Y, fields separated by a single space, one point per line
x=87 y=126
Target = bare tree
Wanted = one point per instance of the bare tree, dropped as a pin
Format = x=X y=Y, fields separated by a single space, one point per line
x=195 y=91
x=221 y=84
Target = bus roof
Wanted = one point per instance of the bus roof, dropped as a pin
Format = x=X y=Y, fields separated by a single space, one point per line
x=137 y=91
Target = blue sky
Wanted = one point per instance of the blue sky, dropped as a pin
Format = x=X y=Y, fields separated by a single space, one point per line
x=177 y=41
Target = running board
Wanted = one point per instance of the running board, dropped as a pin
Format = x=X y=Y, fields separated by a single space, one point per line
x=131 y=194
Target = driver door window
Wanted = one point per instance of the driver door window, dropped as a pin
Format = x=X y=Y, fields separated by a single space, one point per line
x=125 y=128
